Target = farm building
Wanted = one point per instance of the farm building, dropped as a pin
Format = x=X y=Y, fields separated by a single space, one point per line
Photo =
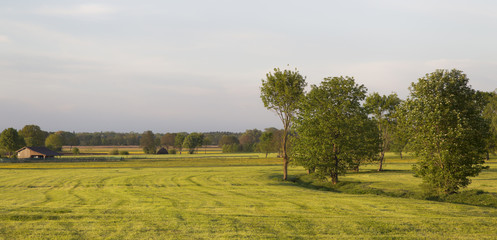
x=36 y=152
x=162 y=151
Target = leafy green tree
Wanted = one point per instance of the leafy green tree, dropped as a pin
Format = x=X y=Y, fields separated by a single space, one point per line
x=33 y=135
x=281 y=92
x=228 y=140
x=193 y=141
x=167 y=140
x=400 y=137
x=68 y=138
x=249 y=139
x=178 y=141
x=11 y=141
x=54 y=142
x=265 y=142
x=207 y=141
x=276 y=139
x=490 y=114
x=330 y=129
x=147 y=142
x=382 y=108
x=448 y=133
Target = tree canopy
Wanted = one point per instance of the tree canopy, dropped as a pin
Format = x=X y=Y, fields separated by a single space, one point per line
x=178 y=141
x=33 y=135
x=382 y=108
x=193 y=141
x=168 y=140
x=54 y=142
x=10 y=140
x=490 y=114
x=147 y=142
x=333 y=130
x=447 y=131
x=281 y=92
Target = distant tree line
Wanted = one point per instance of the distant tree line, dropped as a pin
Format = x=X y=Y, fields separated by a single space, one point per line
x=32 y=135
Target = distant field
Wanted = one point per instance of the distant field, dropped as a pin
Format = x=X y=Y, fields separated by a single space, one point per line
x=134 y=150
x=232 y=197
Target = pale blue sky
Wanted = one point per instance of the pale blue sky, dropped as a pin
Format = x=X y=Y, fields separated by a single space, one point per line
x=172 y=66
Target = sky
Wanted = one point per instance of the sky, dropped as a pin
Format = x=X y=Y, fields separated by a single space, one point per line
x=197 y=65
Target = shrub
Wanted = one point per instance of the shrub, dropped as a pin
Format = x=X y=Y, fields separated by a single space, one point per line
x=114 y=152
x=123 y=153
x=75 y=151
x=172 y=151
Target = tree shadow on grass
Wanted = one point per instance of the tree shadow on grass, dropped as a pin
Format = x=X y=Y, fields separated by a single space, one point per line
x=467 y=197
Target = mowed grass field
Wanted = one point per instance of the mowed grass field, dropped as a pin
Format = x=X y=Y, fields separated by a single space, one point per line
x=224 y=198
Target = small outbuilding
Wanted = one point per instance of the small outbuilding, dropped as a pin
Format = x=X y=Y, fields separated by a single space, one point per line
x=162 y=151
x=36 y=152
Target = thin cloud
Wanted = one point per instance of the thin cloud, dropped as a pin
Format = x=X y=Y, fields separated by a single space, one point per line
x=78 y=11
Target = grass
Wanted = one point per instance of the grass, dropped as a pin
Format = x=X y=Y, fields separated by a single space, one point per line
x=225 y=198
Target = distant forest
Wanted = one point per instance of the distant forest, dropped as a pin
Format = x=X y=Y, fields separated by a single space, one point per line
x=133 y=138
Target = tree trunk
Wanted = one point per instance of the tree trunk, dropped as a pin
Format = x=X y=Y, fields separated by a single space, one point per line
x=285 y=169
x=266 y=154
x=285 y=156
x=334 y=178
x=400 y=154
x=311 y=170
x=382 y=155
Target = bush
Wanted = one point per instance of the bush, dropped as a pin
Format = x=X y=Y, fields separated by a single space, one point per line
x=172 y=151
x=75 y=151
x=123 y=153
x=114 y=152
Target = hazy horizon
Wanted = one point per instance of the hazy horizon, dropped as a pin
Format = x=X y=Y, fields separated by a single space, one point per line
x=196 y=66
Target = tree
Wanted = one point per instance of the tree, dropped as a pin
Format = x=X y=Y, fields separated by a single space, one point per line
x=490 y=114
x=178 y=141
x=400 y=137
x=147 y=142
x=11 y=141
x=382 y=108
x=277 y=139
x=54 y=142
x=281 y=92
x=448 y=133
x=193 y=141
x=249 y=139
x=228 y=140
x=207 y=141
x=33 y=135
x=168 y=140
x=68 y=138
x=333 y=131
x=265 y=142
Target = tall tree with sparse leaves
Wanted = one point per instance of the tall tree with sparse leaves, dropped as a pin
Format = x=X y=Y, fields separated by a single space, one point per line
x=448 y=132
x=382 y=108
x=281 y=92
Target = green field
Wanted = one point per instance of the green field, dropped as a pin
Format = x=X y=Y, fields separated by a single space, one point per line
x=229 y=197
